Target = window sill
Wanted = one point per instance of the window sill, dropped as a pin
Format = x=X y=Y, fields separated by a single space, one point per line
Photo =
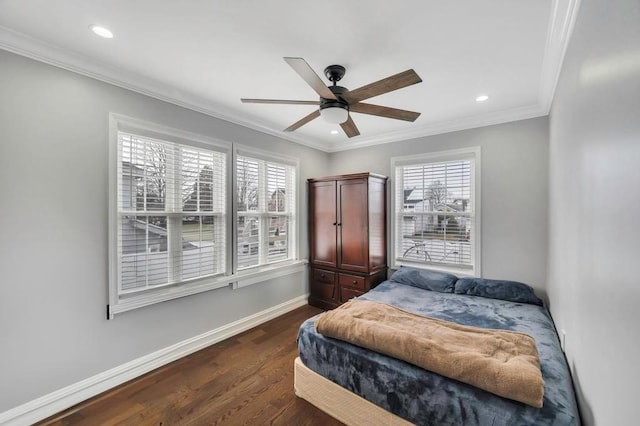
x=460 y=272
x=234 y=281
x=255 y=275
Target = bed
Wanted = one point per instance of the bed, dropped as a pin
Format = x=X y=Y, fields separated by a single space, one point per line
x=358 y=386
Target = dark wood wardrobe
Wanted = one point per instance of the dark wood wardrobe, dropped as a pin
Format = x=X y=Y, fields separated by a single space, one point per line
x=347 y=237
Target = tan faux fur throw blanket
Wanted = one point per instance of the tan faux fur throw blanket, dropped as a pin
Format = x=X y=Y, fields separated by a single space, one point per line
x=502 y=362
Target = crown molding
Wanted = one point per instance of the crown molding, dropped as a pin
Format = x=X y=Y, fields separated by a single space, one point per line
x=562 y=19
x=69 y=60
x=561 y=22
x=482 y=120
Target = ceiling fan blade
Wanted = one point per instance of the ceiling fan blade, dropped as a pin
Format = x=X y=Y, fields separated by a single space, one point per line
x=386 y=85
x=382 y=111
x=350 y=128
x=278 y=101
x=303 y=121
x=307 y=73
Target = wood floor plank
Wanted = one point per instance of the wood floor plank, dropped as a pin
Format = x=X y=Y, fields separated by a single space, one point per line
x=244 y=380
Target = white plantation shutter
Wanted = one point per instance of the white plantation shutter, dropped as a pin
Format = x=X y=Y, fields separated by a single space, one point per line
x=435 y=210
x=266 y=211
x=171 y=206
x=189 y=213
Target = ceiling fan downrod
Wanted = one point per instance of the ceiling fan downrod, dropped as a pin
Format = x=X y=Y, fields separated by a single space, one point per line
x=334 y=73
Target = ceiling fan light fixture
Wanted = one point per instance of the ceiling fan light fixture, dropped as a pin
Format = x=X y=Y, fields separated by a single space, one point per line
x=334 y=111
x=334 y=114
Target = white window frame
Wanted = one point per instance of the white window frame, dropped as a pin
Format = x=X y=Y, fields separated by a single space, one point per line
x=473 y=153
x=257 y=154
x=118 y=302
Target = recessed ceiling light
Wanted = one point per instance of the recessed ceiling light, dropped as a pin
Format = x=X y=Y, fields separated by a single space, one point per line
x=482 y=98
x=101 y=31
x=334 y=132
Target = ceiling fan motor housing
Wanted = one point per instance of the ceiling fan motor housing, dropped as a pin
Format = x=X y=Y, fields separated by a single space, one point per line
x=335 y=103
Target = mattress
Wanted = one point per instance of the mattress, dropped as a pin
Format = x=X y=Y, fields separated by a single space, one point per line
x=426 y=398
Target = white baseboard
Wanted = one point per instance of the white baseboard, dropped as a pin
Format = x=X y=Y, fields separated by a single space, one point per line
x=48 y=405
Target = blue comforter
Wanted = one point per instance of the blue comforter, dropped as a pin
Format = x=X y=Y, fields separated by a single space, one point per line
x=426 y=398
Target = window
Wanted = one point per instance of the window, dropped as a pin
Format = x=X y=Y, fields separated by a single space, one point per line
x=190 y=214
x=171 y=213
x=436 y=210
x=266 y=207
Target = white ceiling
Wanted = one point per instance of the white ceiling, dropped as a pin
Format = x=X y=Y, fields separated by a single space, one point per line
x=206 y=55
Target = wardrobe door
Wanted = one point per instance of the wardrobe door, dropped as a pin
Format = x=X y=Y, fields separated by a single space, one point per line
x=353 y=253
x=323 y=223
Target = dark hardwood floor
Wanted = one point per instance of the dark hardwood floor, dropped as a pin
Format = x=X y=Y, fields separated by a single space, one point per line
x=244 y=380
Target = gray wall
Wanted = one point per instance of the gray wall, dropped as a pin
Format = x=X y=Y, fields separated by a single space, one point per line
x=594 y=235
x=514 y=190
x=53 y=233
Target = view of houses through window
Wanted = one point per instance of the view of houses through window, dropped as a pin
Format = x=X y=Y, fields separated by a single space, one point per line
x=435 y=213
x=266 y=208
x=172 y=208
x=171 y=213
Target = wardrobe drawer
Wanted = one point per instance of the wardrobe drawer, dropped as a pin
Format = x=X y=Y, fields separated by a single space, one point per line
x=322 y=276
x=352 y=281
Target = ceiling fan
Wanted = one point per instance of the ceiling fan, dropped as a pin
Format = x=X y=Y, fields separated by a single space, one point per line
x=336 y=102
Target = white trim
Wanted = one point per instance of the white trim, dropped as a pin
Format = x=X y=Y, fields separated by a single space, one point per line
x=562 y=19
x=164 y=294
x=455 y=271
x=112 y=214
x=256 y=275
x=261 y=154
x=118 y=302
x=477 y=266
x=563 y=14
x=232 y=222
x=267 y=156
x=68 y=396
x=474 y=153
x=69 y=60
x=465 y=123
x=159 y=131
x=436 y=156
x=238 y=280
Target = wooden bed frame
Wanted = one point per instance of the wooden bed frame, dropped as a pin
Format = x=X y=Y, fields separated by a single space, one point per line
x=339 y=402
